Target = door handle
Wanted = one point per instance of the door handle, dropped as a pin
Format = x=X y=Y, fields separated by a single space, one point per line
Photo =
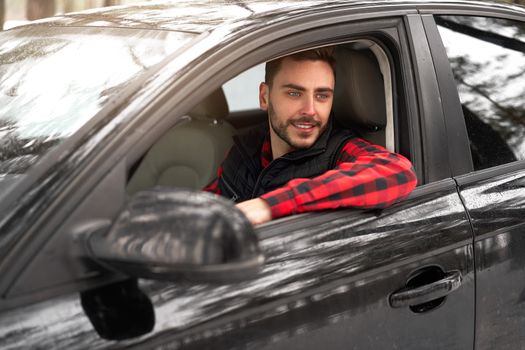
x=410 y=296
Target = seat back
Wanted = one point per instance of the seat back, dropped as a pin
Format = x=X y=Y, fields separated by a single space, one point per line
x=359 y=96
x=188 y=155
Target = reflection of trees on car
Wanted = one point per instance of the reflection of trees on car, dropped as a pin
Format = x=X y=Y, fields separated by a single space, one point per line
x=39 y=47
x=506 y=118
x=485 y=153
x=39 y=107
x=494 y=114
x=472 y=26
x=17 y=153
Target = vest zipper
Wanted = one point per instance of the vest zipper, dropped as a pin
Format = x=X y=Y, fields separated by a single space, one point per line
x=235 y=195
x=263 y=172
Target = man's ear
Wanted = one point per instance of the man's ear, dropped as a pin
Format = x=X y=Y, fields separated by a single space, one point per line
x=264 y=92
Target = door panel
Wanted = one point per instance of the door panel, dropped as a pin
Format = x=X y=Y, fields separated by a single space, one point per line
x=328 y=278
x=496 y=204
x=326 y=284
x=357 y=315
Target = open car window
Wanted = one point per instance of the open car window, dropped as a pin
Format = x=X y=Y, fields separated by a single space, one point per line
x=189 y=154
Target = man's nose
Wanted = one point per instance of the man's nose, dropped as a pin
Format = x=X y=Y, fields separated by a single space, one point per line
x=308 y=106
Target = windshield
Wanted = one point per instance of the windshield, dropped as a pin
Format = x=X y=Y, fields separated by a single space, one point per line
x=53 y=80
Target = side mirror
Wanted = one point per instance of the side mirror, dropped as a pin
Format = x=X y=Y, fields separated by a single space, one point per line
x=169 y=234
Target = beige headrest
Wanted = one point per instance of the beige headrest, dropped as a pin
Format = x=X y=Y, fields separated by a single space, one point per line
x=212 y=107
x=359 y=97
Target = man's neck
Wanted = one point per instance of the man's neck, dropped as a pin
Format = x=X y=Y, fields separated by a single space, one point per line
x=279 y=147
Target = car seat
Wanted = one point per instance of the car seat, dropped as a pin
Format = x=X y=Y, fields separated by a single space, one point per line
x=188 y=155
x=359 y=96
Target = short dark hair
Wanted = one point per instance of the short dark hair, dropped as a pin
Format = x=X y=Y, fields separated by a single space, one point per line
x=325 y=54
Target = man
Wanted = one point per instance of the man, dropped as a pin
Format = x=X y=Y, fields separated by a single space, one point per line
x=302 y=161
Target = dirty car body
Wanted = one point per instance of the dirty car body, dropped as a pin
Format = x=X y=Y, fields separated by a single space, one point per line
x=84 y=96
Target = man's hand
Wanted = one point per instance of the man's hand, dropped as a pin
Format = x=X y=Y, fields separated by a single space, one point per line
x=256 y=210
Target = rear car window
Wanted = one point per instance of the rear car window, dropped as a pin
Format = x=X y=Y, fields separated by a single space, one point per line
x=487 y=56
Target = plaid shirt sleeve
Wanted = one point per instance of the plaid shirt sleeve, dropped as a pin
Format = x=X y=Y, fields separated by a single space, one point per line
x=365 y=176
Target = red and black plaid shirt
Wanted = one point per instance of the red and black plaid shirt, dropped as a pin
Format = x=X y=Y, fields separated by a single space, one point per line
x=365 y=176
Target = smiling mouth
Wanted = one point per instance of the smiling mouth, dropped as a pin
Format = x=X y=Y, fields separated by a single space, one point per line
x=304 y=125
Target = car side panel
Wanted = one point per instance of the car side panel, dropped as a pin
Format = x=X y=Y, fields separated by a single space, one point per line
x=496 y=203
x=328 y=278
x=326 y=284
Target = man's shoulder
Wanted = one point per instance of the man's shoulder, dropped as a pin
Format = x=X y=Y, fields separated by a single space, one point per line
x=252 y=137
x=339 y=135
x=248 y=143
x=260 y=130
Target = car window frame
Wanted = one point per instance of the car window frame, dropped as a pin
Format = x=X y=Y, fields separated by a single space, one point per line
x=408 y=111
x=457 y=137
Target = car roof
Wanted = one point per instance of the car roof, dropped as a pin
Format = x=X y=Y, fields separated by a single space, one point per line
x=199 y=16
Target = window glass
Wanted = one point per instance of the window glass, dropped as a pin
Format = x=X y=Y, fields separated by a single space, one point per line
x=53 y=80
x=242 y=92
x=487 y=56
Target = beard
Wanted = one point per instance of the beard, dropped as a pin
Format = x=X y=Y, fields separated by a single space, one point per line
x=281 y=129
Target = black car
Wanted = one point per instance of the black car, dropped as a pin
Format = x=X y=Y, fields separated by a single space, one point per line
x=111 y=121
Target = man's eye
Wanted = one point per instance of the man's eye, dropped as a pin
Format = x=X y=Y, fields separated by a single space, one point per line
x=294 y=93
x=322 y=96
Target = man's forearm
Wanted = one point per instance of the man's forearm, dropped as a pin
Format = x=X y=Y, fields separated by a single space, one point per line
x=370 y=181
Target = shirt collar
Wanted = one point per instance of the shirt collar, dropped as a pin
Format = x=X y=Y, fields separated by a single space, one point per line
x=317 y=147
x=266 y=152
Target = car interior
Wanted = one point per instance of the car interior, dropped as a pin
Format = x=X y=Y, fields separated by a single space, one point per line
x=189 y=154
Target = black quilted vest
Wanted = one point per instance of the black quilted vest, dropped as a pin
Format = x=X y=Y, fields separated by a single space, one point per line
x=244 y=178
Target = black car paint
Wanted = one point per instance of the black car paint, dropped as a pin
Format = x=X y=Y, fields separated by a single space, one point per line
x=496 y=206
x=331 y=293
x=334 y=296
x=320 y=285
x=120 y=137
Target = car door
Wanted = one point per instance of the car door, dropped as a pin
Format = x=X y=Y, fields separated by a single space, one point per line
x=401 y=277
x=486 y=54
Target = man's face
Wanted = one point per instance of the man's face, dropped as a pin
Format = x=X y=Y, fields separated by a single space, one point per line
x=298 y=103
